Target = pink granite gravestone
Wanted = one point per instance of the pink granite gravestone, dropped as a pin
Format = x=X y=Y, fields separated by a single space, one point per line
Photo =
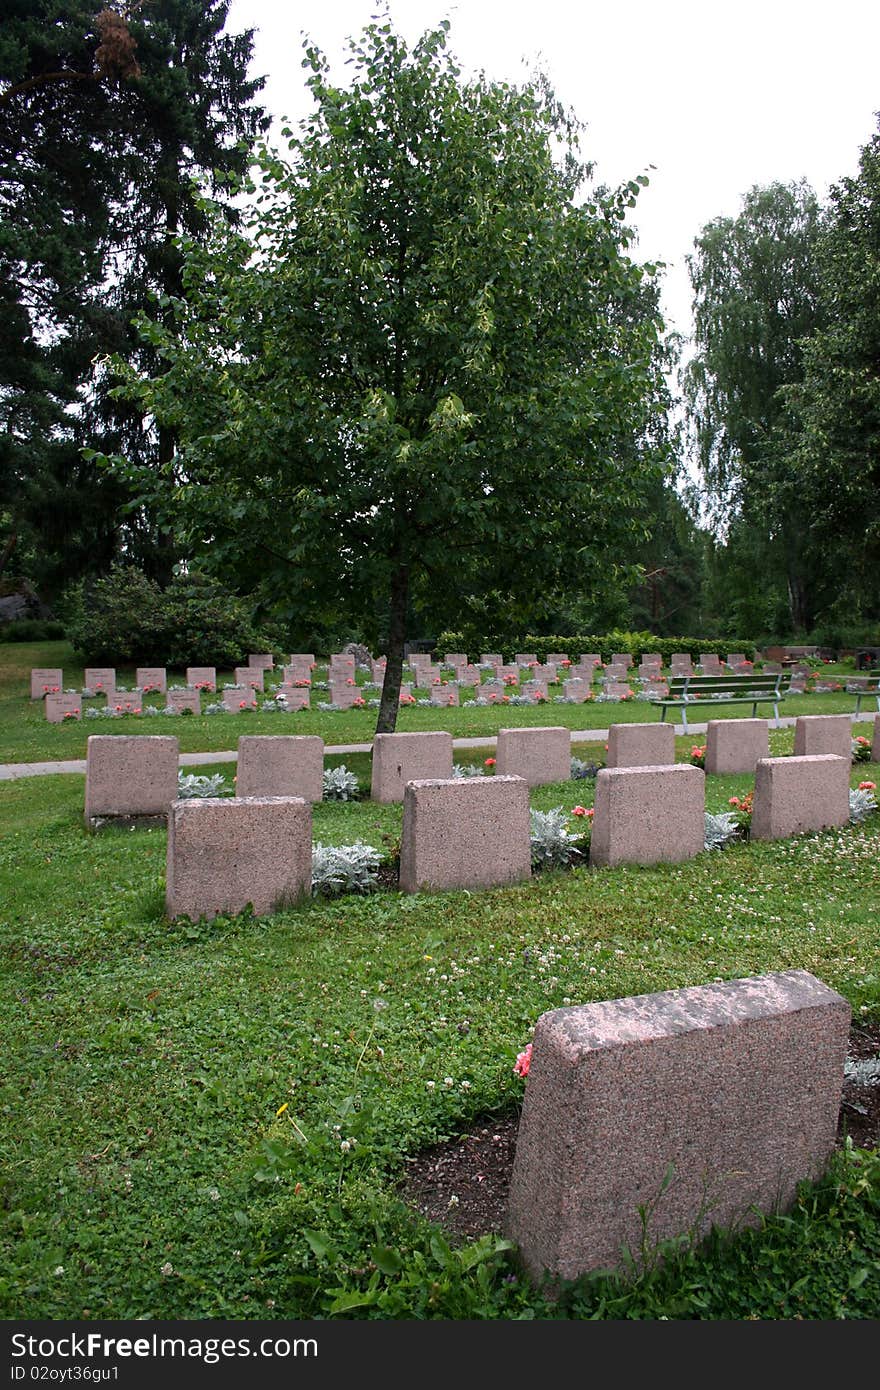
x=444 y=695
x=800 y=794
x=130 y=775
x=97 y=679
x=263 y=661
x=640 y=745
x=46 y=680
x=205 y=677
x=251 y=677
x=280 y=765
x=736 y=745
x=537 y=755
x=62 y=706
x=402 y=758
x=695 y=1107
x=151 y=678
x=823 y=733
x=224 y=855
x=237 y=701
x=182 y=700
x=648 y=815
x=294 y=696
x=464 y=833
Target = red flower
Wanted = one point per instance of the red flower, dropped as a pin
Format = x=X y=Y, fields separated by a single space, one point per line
x=579 y=810
x=867 y=786
x=490 y=762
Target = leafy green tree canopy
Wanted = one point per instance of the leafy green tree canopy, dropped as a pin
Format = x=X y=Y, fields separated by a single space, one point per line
x=410 y=374
x=756 y=296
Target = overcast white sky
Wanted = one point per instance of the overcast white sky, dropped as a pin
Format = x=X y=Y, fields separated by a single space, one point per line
x=717 y=96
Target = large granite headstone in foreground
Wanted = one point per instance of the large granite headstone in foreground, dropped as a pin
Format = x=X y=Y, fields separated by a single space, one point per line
x=700 y=1106
x=225 y=854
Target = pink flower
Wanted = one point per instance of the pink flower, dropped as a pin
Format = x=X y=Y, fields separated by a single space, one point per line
x=523 y=1062
x=579 y=810
x=867 y=786
x=489 y=762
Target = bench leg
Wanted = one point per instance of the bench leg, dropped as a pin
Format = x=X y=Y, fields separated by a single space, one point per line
x=684 y=719
x=776 y=714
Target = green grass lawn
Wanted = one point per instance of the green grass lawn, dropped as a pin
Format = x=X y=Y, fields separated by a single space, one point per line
x=175 y=1096
x=26 y=736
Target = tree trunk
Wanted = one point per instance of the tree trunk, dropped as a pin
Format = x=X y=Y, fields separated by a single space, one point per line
x=390 y=702
x=7 y=550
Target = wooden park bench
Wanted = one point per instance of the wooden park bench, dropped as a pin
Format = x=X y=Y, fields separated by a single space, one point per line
x=706 y=691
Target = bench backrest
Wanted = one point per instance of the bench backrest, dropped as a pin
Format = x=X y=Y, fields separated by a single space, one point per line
x=682 y=687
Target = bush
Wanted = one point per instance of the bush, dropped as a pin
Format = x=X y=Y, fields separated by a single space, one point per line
x=340 y=784
x=32 y=630
x=553 y=846
x=338 y=869
x=126 y=619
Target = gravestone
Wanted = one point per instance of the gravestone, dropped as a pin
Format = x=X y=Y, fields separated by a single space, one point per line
x=736 y=745
x=251 y=677
x=202 y=677
x=280 y=765
x=731 y=1088
x=182 y=700
x=294 y=696
x=537 y=755
x=823 y=733
x=226 y=854
x=97 y=679
x=62 y=706
x=263 y=661
x=648 y=815
x=799 y=794
x=149 y=678
x=130 y=775
x=237 y=701
x=124 y=701
x=640 y=745
x=46 y=680
x=444 y=695
x=467 y=832
x=402 y=758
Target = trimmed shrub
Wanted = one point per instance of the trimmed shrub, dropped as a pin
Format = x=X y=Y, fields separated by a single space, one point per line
x=126 y=618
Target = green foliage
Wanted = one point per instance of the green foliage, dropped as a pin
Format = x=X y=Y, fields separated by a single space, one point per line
x=434 y=357
x=340 y=784
x=105 y=117
x=835 y=403
x=31 y=630
x=756 y=297
x=126 y=618
x=339 y=869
